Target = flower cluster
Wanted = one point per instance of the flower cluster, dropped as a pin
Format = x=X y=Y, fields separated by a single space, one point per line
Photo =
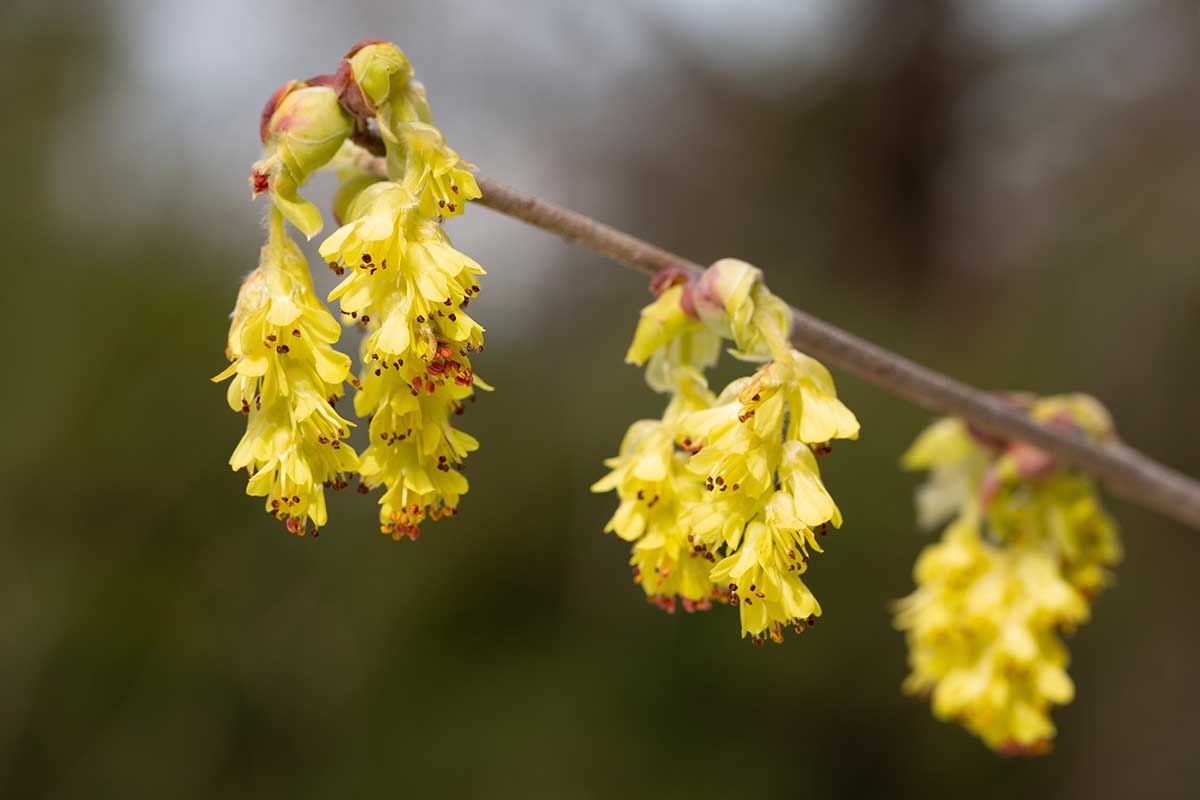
x=403 y=283
x=286 y=380
x=1029 y=546
x=722 y=497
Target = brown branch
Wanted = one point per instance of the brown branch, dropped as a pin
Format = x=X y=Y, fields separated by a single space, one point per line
x=1126 y=472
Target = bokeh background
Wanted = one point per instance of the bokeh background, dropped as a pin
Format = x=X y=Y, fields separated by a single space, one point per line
x=1003 y=189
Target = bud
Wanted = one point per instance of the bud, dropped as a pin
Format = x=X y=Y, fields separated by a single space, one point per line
x=723 y=291
x=732 y=301
x=303 y=128
x=381 y=71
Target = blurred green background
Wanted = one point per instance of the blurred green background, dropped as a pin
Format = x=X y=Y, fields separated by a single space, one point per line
x=1003 y=190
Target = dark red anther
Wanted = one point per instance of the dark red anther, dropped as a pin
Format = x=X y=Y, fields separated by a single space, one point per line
x=261 y=182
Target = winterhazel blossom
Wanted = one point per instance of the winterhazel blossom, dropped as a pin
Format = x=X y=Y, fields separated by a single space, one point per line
x=745 y=490
x=651 y=479
x=407 y=285
x=403 y=282
x=1028 y=547
x=286 y=379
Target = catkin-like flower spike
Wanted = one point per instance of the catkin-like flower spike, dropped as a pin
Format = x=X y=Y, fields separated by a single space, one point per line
x=286 y=378
x=409 y=288
x=1029 y=546
x=983 y=630
x=653 y=484
x=303 y=127
x=765 y=505
x=747 y=491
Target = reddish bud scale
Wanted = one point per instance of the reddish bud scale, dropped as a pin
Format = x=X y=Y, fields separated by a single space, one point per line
x=273 y=104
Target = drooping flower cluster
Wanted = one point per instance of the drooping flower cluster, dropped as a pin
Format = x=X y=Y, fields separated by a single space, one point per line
x=404 y=284
x=722 y=497
x=286 y=379
x=1028 y=548
x=409 y=287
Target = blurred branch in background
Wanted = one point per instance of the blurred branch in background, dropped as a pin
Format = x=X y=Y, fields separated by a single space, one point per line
x=1124 y=470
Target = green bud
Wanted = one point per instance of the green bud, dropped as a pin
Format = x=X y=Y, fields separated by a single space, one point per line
x=307 y=129
x=732 y=301
x=301 y=134
x=381 y=71
x=723 y=293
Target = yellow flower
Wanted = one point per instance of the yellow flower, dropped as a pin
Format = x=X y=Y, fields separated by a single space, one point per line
x=746 y=451
x=670 y=338
x=1029 y=547
x=415 y=452
x=733 y=479
x=286 y=379
x=763 y=574
x=982 y=632
x=653 y=484
x=446 y=179
x=409 y=287
x=764 y=532
x=817 y=415
x=956 y=464
x=1061 y=512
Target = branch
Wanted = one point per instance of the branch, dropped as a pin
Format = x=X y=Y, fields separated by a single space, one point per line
x=1126 y=472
